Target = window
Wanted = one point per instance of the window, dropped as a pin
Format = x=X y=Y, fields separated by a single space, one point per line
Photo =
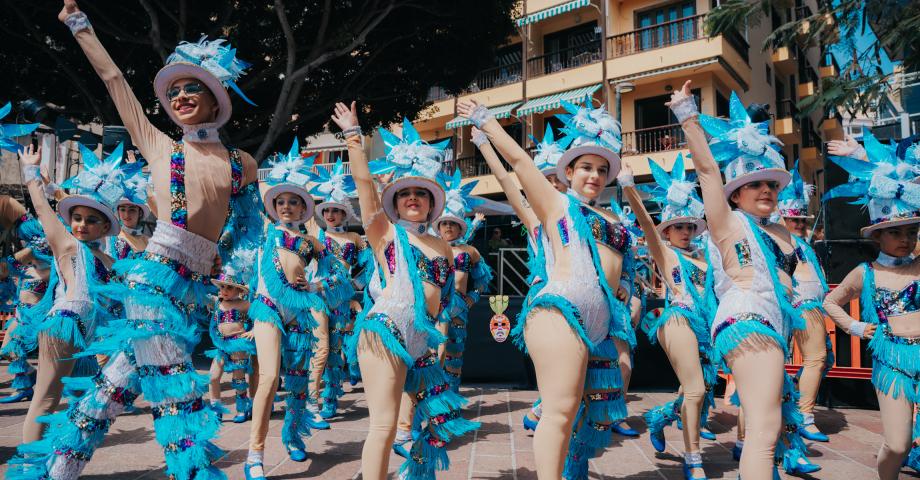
x=572 y=47
x=671 y=31
x=722 y=108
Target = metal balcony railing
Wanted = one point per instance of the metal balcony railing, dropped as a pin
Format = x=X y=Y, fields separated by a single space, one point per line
x=559 y=60
x=436 y=94
x=497 y=76
x=786 y=109
x=662 y=35
x=655 y=139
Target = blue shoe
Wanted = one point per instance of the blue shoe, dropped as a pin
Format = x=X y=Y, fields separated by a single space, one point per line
x=297 y=455
x=658 y=442
x=792 y=465
x=813 y=436
x=315 y=420
x=241 y=417
x=19 y=396
x=706 y=434
x=400 y=448
x=246 y=471
x=736 y=452
x=329 y=410
x=688 y=471
x=625 y=430
x=530 y=424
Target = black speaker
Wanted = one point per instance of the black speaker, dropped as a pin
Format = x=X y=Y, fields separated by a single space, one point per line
x=843 y=220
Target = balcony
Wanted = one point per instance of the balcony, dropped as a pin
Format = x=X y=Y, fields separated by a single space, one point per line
x=656 y=139
x=828 y=67
x=786 y=126
x=657 y=36
x=784 y=60
x=832 y=125
x=564 y=59
x=808 y=79
x=811 y=148
x=496 y=77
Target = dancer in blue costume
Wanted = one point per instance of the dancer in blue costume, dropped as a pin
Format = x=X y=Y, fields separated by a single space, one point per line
x=294 y=286
x=887 y=292
x=230 y=330
x=396 y=340
x=198 y=180
x=548 y=152
x=80 y=298
x=570 y=325
x=132 y=209
x=329 y=366
x=683 y=327
x=753 y=260
x=810 y=290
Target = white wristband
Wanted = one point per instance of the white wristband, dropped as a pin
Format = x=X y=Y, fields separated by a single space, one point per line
x=352 y=131
x=51 y=189
x=31 y=173
x=626 y=180
x=77 y=22
x=858 y=329
x=685 y=108
x=479 y=139
x=480 y=116
x=860 y=153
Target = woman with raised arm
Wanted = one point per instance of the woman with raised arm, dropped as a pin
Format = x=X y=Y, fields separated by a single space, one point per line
x=570 y=325
x=397 y=339
x=810 y=290
x=205 y=185
x=65 y=321
x=329 y=366
x=887 y=292
x=753 y=259
x=683 y=327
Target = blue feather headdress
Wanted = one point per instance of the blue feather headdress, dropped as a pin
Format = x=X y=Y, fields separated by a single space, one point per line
x=549 y=151
x=793 y=200
x=239 y=270
x=10 y=131
x=676 y=193
x=459 y=200
x=885 y=184
x=99 y=185
x=588 y=131
x=413 y=163
x=136 y=183
x=335 y=187
x=745 y=150
x=289 y=173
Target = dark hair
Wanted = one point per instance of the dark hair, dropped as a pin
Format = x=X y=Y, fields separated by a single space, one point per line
x=759 y=112
x=105 y=217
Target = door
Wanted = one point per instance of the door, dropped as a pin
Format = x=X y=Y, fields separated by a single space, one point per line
x=669 y=31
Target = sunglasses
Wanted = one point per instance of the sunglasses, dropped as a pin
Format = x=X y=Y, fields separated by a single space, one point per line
x=190 y=89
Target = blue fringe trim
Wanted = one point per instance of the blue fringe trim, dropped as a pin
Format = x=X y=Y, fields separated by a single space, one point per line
x=790 y=445
x=296 y=423
x=550 y=301
x=260 y=312
x=244 y=225
x=22 y=381
x=663 y=415
x=732 y=336
x=895 y=366
x=421 y=321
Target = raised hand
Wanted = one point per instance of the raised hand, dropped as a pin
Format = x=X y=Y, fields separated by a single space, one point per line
x=30 y=155
x=479 y=216
x=70 y=7
x=679 y=95
x=345 y=117
x=465 y=108
x=843 y=148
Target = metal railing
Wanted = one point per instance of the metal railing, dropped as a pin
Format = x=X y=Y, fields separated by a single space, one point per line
x=737 y=41
x=497 y=76
x=786 y=108
x=559 y=60
x=512 y=271
x=437 y=93
x=662 y=35
x=655 y=139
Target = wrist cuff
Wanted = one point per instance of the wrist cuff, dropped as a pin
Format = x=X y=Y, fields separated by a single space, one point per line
x=479 y=139
x=31 y=173
x=626 y=180
x=858 y=329
x=352 y=131
x=480 y=116
x=77 y=22
x=685 y=108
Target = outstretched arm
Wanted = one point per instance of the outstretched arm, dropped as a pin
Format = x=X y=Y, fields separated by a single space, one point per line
x=62 y=243
x=512 y=192
x=849 y=288
x=148 y=139
x=375 y=224
x=718 y=211
x=656 y=245
x=544 y=199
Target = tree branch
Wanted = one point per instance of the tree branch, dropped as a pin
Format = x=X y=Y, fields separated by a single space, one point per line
x=154 y=33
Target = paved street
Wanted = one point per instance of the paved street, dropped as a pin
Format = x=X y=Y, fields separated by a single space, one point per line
x=501 y=449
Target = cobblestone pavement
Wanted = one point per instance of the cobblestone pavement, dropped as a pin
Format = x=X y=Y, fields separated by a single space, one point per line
x=500 y=449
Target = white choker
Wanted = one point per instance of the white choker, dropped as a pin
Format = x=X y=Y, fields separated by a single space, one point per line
x=889 y=261
x=201 y=133
x=581 y=198
x=415 y=228
x=94 y=245
x=762 y=221
x=339 y=229
x=134 y=232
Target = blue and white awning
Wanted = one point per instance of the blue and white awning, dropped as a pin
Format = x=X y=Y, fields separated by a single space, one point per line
x=551 y=12
x=549 y=102
x=501 y=111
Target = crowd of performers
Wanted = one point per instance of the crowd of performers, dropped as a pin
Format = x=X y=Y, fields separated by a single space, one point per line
x=269 y=272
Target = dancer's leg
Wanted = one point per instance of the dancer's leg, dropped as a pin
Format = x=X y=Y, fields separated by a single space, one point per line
x=680 y=344
x=812 y=344
x=320 y=355
x=625 y=359
x=384 y=376
x=216 y=371
x=48 y=387
x=268 y=348
x=560 y=360
x=757 y=366
x=897 y=426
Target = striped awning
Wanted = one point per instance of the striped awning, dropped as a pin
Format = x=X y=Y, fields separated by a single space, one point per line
x=549 y=102
x=501 y=111
x=551 y=12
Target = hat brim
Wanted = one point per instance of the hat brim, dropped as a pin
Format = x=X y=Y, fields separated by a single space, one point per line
x=218 y=283
x=389 y=193
x=349 y=212
x=570 y=155
x=179 y=70
x=268 y=199
x=66 y=204
x=803 y=217
x=144 y=208
x=455 y=219
x=699 y=222
x=867 y=231
x=779 y=175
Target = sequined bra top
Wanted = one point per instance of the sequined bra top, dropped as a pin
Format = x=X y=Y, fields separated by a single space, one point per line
x=435 y=271
x=611 y=234
x=697 y=275
x=295 y=244
x=463 y=262
x=784 y=261
x=892 y=303
x=231 y=316
x=346 y=252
